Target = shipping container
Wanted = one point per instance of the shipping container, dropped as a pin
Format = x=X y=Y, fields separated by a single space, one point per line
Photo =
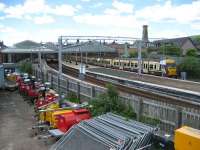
x=187 y=138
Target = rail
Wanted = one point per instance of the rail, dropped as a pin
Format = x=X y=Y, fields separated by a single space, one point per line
x=171 y=112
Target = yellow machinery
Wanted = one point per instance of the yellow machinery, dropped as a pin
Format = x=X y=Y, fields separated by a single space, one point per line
x=11 y=77
x=187 y=138
x=43 y=114
x=49 y=115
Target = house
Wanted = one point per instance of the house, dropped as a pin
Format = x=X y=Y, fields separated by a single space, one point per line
x=184 y=43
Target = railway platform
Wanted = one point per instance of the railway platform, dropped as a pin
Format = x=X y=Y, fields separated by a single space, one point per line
x=164 y=81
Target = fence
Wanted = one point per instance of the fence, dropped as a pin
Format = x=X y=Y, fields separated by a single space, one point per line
x=169 y=116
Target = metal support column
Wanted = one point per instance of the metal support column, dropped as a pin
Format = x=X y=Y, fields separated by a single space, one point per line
x=78 y=91
x=139 y=57
x=76 y=59
x=60 y=64
x=86 y=64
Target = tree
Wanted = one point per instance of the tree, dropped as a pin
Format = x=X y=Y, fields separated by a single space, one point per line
x=170 y=49
x=110 y=102
x=191 y=52
x=135 y=54
x=191 y=66
x=26 y=67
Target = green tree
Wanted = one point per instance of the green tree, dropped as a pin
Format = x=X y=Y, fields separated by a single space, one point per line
x=135 y=54
x=26 y=67
x=170 y=49
x=110 y=102
x=191 y=52
x=191 y=66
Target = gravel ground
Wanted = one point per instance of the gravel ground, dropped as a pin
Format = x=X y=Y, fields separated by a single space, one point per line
x=16 y=120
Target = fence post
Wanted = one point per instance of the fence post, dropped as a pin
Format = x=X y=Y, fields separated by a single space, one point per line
x=78 y=91
x=51 y=80
x=140 y=109
x=58 y=84
x=93 y=94
x=178 y=117
x=67 y=82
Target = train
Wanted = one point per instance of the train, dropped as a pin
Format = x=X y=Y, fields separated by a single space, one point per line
x=165 y=67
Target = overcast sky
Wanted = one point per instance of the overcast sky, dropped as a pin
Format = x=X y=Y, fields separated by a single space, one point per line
x=45 y=20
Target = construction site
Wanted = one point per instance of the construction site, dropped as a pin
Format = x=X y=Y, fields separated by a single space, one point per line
x=99 y=75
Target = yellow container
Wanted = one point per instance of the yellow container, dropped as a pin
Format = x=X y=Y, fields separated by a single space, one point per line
x=187 y=138
x=52 y=118
x=43 y=115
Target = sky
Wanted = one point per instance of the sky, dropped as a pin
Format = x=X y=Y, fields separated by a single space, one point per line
x=45 y=20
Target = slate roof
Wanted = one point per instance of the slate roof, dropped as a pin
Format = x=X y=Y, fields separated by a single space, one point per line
x=176 y=41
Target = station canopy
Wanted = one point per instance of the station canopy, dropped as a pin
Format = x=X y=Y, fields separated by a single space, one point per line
x=89 y=46
x=26 y=51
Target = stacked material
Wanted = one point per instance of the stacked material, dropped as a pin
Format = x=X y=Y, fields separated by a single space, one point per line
x=107 y=132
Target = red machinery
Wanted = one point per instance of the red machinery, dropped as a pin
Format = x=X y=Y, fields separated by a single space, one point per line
x=65 y=121
x=49 y=98
x=33 y=92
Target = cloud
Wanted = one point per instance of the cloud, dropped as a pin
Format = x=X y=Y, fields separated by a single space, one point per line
x=184 y=13
x=85 y=0
x=2 y=6
x=36 y=8
x=63 y=10
x=5 y=29
x=112 y=17
x=119 y=7
x=167 y=33
x=99 y=4
x=43 y=19
x=195 y=26
x=108 y=20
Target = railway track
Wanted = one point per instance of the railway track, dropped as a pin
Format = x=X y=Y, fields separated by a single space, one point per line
x=156 y=95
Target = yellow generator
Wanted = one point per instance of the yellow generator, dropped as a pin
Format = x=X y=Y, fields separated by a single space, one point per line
x=49 y=114
x=44 y=113
x=187 y=138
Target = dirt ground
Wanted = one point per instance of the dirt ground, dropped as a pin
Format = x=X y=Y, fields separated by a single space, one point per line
x=16 y=120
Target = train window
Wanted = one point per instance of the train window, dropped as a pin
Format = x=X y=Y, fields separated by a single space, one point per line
x=155 y=67
x=135 y=65
x=124 y=64
x=144 y=66
x=131 y=64
x=151 y=66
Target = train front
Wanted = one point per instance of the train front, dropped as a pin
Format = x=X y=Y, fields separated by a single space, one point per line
x=169 y=68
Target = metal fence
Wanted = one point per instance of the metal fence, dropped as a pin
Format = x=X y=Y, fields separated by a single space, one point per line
x=170 y=116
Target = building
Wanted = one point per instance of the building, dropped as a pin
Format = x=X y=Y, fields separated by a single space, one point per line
x=2 y=46
x=184 y=43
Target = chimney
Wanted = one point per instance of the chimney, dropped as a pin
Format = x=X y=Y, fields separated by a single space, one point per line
x=145 y=34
